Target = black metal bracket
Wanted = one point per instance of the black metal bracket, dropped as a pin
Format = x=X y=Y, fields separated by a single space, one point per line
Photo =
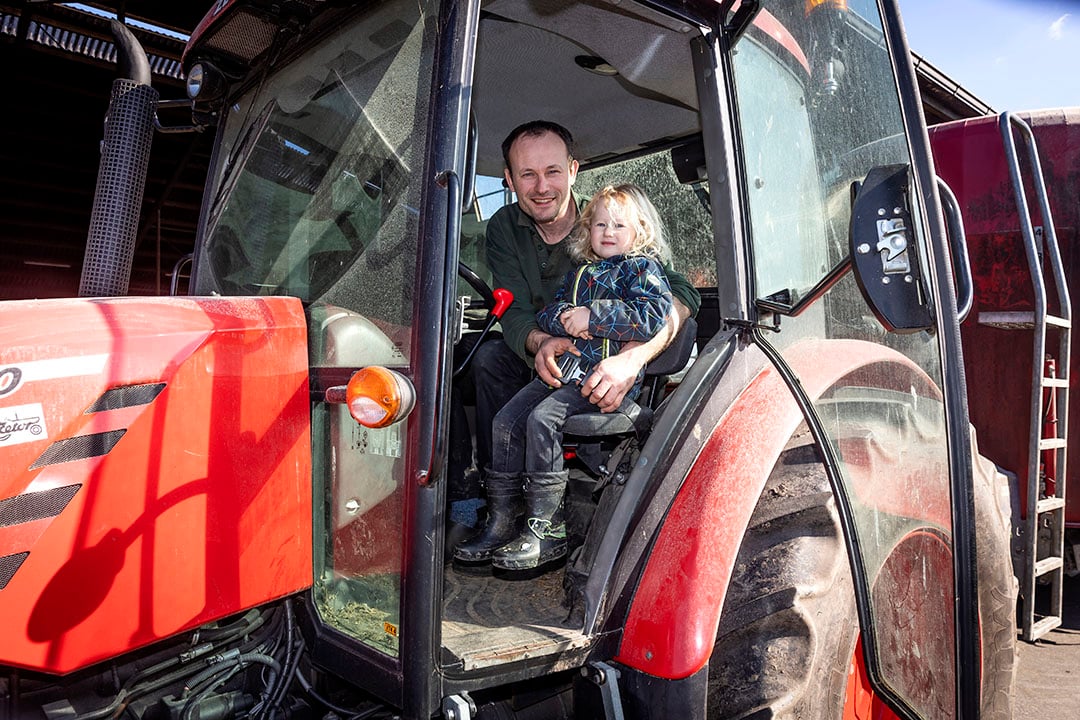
x=739 y=20
x=606 y=679
x=747 y=325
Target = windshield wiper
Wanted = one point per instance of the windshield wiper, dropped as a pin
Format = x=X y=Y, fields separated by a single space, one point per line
x=236 y=158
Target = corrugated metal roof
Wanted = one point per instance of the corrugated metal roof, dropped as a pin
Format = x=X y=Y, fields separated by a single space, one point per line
x=92 y=47
x=63 y=62
x=945 y=99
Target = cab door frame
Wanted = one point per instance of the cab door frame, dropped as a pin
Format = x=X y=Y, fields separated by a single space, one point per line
x=954 y=381
x=446 y=166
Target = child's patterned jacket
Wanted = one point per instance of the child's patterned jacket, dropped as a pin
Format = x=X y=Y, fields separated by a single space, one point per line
x=628 y=297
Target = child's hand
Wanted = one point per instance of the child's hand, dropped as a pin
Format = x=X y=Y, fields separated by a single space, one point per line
x=576 y=322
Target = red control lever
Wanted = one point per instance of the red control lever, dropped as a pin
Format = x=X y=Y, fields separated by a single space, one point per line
x=503 y=299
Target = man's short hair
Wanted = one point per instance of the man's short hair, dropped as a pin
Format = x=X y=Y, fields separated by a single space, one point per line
x=536 y=128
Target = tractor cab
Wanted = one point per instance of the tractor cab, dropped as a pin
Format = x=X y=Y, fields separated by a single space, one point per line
x=358 y=157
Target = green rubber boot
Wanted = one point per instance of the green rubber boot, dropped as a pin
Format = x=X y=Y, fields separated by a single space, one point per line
x=543 y=539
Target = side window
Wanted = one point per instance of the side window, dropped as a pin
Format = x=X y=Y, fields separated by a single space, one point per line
x=490 y=196
x=683 y=208
x=808 y=138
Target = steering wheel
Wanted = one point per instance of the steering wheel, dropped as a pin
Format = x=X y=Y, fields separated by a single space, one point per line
x=497 y=301
x=477 y=283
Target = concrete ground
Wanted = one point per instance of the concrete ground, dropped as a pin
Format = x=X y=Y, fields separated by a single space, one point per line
x=1048 y=672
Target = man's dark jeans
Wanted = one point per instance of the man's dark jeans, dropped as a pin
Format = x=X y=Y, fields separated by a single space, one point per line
x=461 y=483
x=494 y=376
x=498 y=373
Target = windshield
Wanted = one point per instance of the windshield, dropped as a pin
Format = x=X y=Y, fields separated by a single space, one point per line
x=311 y=198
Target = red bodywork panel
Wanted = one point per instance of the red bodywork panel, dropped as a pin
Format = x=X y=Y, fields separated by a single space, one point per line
x=860 y=702
x=205 y=24
x=970 y=157
x=671 y=626
x=672 y=623
x=161 y=475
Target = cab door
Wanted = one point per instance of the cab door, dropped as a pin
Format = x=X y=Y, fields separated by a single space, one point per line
x=846 y=263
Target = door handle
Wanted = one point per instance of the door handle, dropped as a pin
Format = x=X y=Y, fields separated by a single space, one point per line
x=958 y=250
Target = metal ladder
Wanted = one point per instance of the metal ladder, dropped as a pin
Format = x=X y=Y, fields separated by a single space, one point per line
x=1045 y=502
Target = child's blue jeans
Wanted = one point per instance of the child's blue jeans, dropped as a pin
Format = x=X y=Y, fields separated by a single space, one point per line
x=527 y=434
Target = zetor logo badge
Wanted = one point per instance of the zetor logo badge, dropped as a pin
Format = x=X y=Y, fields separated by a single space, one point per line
x=9 y=380
x=21 y=424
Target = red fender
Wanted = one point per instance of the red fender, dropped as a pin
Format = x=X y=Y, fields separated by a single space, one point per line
x=166 y=479
x=672 y=622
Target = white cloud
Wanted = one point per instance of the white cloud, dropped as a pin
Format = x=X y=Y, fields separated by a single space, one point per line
x=1056 y=31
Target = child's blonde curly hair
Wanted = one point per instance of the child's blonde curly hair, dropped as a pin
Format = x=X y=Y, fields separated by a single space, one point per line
x=629 y=203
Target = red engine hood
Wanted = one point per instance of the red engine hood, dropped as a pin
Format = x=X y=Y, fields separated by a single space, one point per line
x=156 y=470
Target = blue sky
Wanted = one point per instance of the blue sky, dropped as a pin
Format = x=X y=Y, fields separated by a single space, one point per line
x=1013 y=54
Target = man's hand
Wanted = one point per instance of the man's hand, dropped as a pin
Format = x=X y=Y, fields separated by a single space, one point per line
x=547 y=364
x=576 y=322
x=612 y=379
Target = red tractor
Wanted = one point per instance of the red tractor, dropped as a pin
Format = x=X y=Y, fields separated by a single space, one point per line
x=193 y=523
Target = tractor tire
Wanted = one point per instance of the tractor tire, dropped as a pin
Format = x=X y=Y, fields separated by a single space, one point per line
x=788 y=627
x=998 y=588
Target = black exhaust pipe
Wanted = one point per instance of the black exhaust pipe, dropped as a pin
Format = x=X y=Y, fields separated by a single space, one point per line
x=125 y=157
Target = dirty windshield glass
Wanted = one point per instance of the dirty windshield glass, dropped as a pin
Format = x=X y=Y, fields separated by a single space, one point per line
x=313 y=187
x=315 y=197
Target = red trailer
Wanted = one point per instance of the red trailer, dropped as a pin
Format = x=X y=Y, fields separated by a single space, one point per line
x=1016 y=338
